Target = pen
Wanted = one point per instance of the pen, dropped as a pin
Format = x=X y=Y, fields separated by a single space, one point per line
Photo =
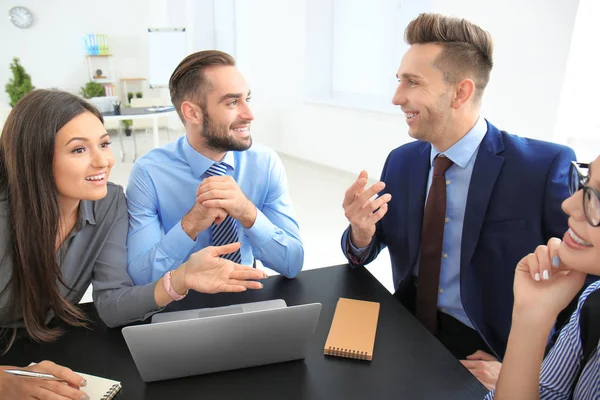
x=31 y=374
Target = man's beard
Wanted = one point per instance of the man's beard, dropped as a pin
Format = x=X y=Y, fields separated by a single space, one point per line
x=218 y=138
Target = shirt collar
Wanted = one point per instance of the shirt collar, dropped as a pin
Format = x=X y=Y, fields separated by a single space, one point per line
x=461 y=152
x=199 y=163
x=86 y=213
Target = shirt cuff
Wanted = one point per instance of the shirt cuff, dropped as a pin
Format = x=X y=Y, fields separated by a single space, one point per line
x=261 y=232
x=356 y=251
x=176 y=243
x=354 y=254
x=148 y=302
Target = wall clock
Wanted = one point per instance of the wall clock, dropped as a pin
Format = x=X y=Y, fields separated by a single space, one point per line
x=21 y=17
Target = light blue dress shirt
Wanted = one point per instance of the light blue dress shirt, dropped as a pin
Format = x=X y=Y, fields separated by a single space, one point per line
x=162 y=189
x=458 y=178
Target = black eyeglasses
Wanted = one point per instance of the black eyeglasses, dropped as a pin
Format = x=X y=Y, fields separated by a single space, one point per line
x=591 y=197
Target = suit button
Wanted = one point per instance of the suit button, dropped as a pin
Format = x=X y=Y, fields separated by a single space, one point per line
x=441 y=290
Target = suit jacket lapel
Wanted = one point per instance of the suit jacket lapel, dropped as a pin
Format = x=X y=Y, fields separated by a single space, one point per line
x=417 y=186
x=485 y=173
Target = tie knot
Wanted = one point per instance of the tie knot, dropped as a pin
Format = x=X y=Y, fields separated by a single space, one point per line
x=217 y=169
x=441 y=165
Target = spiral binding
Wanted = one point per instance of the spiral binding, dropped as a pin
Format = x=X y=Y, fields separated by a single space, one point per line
x=112 y=392
x=339 y=352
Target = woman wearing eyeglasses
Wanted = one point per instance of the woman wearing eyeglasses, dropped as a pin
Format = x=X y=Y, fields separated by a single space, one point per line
x=545 y=283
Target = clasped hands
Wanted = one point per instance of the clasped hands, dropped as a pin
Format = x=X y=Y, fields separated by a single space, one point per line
x=217 y=197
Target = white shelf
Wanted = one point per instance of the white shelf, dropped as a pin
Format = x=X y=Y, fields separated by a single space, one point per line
x=102 y=80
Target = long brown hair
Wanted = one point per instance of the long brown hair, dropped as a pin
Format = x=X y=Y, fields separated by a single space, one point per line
x=467 y=49
x=27 y=180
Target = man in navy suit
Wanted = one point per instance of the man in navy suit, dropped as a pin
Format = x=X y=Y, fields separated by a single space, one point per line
x=503 y=195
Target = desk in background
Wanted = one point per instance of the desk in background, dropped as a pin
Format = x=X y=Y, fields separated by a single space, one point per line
x=136 y=113
x=408 y=362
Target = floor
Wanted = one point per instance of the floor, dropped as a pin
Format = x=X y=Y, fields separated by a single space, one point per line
x=316 y=192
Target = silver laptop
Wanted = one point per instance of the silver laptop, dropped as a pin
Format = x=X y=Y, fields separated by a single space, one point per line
x=194 y=342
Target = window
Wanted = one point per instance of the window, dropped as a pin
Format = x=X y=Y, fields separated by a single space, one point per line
x=220 y=25
x=577 y=122
x=354 y=49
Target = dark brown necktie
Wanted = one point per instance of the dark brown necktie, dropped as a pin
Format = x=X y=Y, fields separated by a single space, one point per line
x=432 y=237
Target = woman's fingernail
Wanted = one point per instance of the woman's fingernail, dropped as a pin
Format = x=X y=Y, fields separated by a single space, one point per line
x=83 y=383
x=85 y=397
x=555 y=261
x=546 y=275
x=537 y=276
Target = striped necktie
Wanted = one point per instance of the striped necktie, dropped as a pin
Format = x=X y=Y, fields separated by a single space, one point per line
x=227 y=231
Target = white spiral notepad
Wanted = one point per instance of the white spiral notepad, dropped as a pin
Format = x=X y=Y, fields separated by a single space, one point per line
x=98 y=388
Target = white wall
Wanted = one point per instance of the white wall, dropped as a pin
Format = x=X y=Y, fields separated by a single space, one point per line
x=531 y=46
x=532 y=41
x=52 y=50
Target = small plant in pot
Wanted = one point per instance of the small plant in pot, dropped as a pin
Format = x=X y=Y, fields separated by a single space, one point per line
x=138 y=95
x=127 y=126
x=129 y=97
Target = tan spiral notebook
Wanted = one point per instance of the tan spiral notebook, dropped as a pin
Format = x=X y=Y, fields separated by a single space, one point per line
x=98 y=388
x=352 y=332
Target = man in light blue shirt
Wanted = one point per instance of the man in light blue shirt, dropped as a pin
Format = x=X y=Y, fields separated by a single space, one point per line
x=212 y=186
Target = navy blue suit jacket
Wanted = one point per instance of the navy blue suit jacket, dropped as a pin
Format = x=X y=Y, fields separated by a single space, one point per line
x=513 y=205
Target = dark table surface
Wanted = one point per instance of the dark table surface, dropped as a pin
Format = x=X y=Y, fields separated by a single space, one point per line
x=408 y=362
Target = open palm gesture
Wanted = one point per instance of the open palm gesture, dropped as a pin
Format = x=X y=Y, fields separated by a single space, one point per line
x=207 y=272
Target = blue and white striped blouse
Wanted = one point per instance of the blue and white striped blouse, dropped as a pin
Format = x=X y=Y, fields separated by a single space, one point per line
x=561 y=366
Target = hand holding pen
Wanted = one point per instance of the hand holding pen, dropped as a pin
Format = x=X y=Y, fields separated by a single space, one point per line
x=40 y=381
x=32 y=374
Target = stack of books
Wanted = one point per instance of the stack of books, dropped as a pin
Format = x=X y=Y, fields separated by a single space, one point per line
x=109 y=89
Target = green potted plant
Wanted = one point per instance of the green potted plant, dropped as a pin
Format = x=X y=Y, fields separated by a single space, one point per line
x=92 y=89
x=138 y=95
x=129 y=97
x=20 y=83
x=127 y=126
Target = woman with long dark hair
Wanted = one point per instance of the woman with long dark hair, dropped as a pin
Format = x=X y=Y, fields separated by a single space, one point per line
x=64 y=226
